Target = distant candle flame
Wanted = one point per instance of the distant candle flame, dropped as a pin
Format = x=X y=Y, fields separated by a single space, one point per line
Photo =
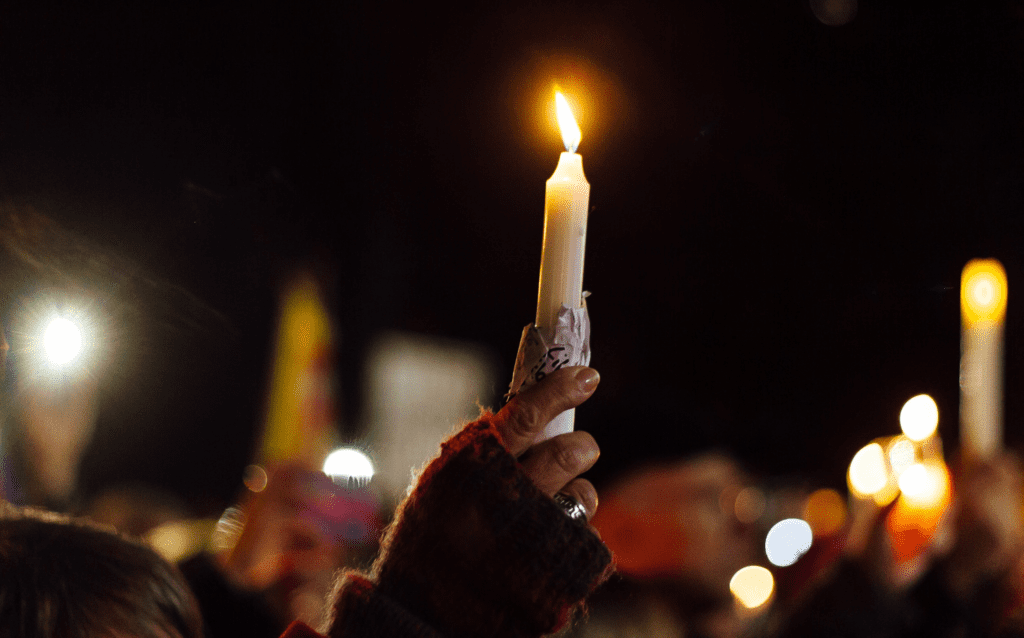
x=983 y=291
x=919 y=417
x=567 y=123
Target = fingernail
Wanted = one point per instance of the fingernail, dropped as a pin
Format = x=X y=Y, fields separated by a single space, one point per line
x=587 y=380
x=588 y=453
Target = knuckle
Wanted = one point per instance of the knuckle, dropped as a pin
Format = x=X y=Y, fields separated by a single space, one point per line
x=564 y=455
x=523 y=419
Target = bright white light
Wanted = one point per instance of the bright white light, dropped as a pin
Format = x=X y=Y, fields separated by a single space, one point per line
x=919 y=417
x=567 y=123
x=901 y=454
x=868 y=472
x=924 y=484
x=349 y=463
x=62 y=341
x=787 y=541
x=752 y=586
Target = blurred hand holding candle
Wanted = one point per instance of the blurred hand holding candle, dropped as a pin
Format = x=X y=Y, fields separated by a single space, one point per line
x=983 y=293
x=561 y=334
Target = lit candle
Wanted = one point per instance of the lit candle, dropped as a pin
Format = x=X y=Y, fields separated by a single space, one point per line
x=983 y=293
x=565 y=233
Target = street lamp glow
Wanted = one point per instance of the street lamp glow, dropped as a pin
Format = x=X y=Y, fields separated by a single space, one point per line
x=919 y=417
x=349 y=464
x=787 y=541
x=62 y=341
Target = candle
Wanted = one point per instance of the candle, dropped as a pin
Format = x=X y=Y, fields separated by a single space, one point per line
x=983 y=293
x=565 y=233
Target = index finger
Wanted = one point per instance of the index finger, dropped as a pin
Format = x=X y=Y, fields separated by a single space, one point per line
x=523 y=418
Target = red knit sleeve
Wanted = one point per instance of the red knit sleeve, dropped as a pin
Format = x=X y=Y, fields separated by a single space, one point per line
x=475 y=550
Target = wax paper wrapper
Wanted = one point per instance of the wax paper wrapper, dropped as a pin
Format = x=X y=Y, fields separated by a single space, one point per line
x=539 y=356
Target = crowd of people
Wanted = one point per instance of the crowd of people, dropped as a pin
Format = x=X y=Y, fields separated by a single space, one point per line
x=481 y=546
x=500 y=536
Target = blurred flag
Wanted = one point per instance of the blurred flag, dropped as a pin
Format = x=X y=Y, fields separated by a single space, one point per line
x=300 y=425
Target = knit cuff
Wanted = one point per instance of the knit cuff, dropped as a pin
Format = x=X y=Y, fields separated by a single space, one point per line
x=361 y=611
x=476 y=549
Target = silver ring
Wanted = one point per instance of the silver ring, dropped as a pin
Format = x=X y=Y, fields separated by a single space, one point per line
x=573 y=508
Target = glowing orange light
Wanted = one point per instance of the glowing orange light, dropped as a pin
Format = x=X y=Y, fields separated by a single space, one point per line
x=925 y=485
x=752 y=586
x=825 y=512
x=567 y=123
x=914 y=520
x=983 y=291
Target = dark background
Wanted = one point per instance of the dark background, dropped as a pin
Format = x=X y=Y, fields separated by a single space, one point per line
x=780 y=208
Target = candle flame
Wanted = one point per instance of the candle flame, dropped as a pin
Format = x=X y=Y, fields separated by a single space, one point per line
x=567 y=123
x=983 y=291
x=868 y=473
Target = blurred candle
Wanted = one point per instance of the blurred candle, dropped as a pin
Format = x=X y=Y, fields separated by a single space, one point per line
x=565 y=233
x=983 y=293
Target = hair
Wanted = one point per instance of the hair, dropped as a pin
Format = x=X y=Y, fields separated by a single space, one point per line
x=67 y=577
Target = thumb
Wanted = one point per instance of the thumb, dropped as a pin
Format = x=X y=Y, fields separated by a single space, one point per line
x=523 y=418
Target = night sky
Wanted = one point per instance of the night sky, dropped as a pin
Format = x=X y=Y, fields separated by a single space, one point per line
x=780 y=208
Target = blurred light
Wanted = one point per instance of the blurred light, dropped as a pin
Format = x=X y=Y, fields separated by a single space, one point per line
x=825 y=512
x=750 y=504
x=902 y=454
x=752 y=586
x=983 y=291
x=255 y=478
x=834 y=13
x=868 y=473
x=787 y=541
x=62 y=341
x=925 y=485
x=567 y=123
x=228 y=530
x=919 y=417
x=177 y=540
x=350 y=465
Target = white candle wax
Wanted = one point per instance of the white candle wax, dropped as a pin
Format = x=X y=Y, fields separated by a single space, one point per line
x=566 y=201
x=983 y=307
x=565 y=236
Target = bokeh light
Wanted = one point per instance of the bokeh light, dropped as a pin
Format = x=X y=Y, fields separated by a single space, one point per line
x=868 y=472
x=825 y=512
x=750 y=504
x=902 y=454
x=925 y=485
x=62 y=340
x=752 y=586
x=255 y=478
x=983 y=291
x=919 y=417
x=349 y=465
x=787 y=541
x=179 y=539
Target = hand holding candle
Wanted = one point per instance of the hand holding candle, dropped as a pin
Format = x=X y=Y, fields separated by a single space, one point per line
x=561 y=334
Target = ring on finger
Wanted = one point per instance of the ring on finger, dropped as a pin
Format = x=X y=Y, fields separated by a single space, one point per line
x=572 y=507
